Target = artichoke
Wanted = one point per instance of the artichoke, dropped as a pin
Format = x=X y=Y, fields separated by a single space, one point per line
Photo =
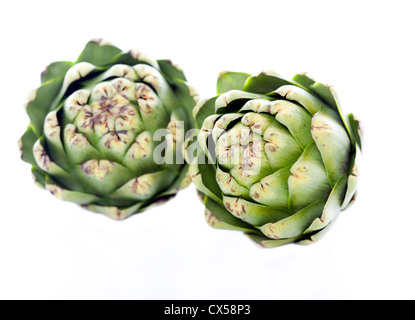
x=274 y=158
x=105 y=129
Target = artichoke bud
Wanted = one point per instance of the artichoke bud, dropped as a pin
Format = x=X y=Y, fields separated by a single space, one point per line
x=283 y=157
x=92 y=138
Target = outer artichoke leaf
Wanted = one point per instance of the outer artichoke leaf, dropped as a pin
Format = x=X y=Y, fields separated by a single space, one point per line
x=228 y=81
x=333 y=143
x=301 y=96
x=202 y=110
x=356 y=130
x=40 y=105
x=234 y=100
x=218 y=217
x=265 y=82
x=294 y=225
x=98 y=53
x=352 y=182
x=114 y=212
x=332 y=207
x=125 y=58
x=252 y=213
x=39 y=177
x=216 y=223
x=338 y=109
x=64 y=181
x=208 y=176
x=56 y=70
x=269 y=243
x=304 y=79
x=71 y=196
x=326 y=93
x=172 y=71
x=198 y=182
x=26 y=144
x=315 y=236
x=155 y=202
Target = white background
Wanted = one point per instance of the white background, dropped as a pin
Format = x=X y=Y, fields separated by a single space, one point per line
x=54 y=250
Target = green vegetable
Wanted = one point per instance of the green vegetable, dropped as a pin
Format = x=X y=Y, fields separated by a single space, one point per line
x=274 y=158
x=105 y=129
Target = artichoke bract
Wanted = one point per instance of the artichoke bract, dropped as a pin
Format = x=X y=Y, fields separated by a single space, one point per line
x=274 y=158
x=105 y=129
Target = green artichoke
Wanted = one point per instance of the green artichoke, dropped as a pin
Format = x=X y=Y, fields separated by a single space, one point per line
x=274 y=158
x=105 y=129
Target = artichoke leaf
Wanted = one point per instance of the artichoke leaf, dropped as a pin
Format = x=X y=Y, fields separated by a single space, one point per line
x=99 y=53
x=230 y=186
x=265 y=82
x=39 y=103
x=252 y=213
x=114 y=212
x=356 y=130
x=332 y=207
x=301 y=96
x=228 y=81
x=26 y=143
x=102 y=177
x=234 y=100
x=203 y=176
x=352 y=182
x=203 y=109
x=273 y=190
x=56 y=70
x=333 y=143
x=71 y=196
x=218 y=217
x=294 y=225
x=172 y=71
x=146 y=186
x=266 y=242
x=308 y=181
x=295 y=118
